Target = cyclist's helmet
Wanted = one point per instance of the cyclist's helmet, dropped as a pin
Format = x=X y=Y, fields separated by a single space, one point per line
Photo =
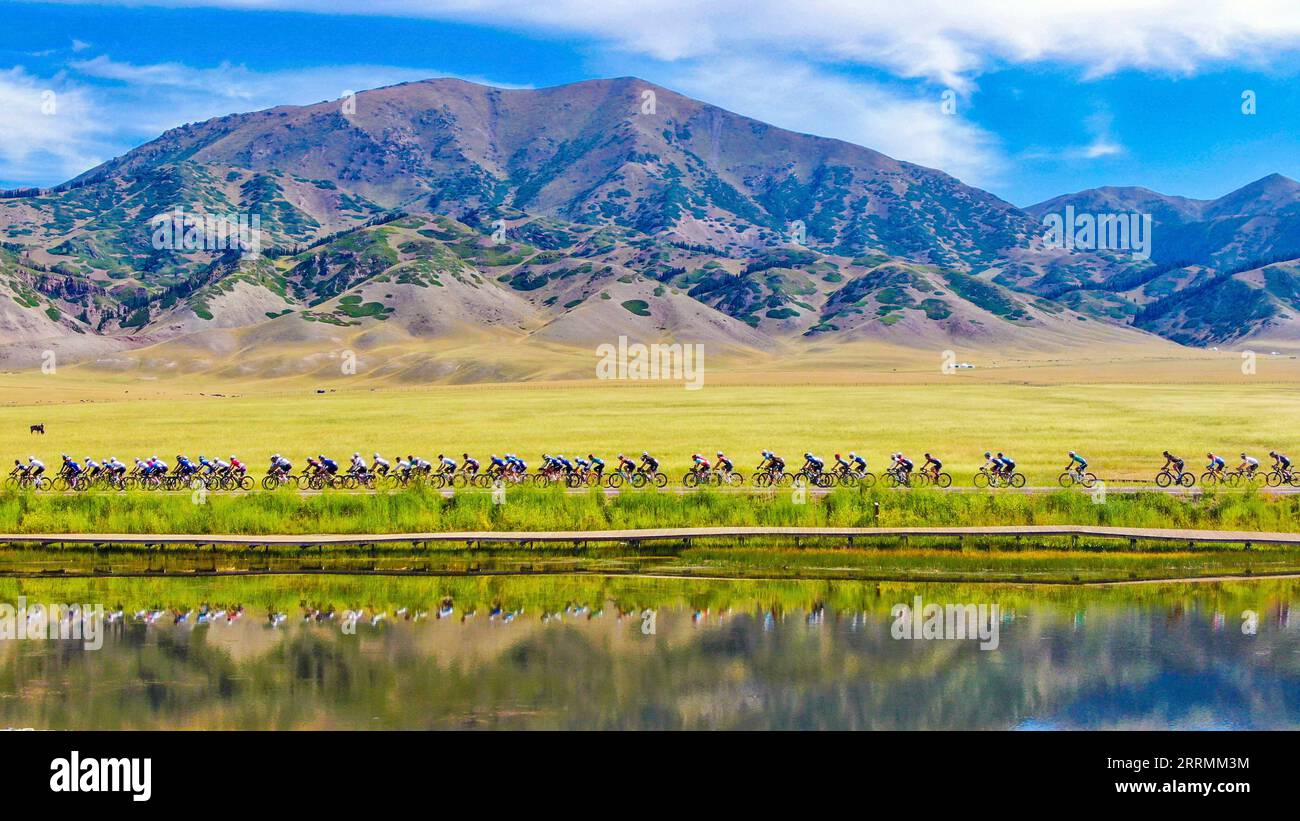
x=275 y=457
x=999 y=454
x=377 y=455
x=807 y=455
x=620 y=456
x=987 y=455
x=1272 y=453
x=464 y=455
x=1072 y=453
x=927 y=456
x=1243 y=456
x=645 y=453
x=232 y=458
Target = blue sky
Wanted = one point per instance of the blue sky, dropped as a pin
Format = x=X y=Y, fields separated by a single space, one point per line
x=1025 y=99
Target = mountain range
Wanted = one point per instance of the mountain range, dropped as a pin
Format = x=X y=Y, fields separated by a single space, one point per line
x=419 y=216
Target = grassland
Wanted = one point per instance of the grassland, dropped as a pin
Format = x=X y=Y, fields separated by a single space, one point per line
x=416 y=510
x=1036 y=413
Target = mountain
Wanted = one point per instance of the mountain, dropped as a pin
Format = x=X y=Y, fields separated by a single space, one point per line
x=421 y=215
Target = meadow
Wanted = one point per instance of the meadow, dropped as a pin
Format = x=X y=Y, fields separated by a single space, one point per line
x=533 y=509
x=1121 y=427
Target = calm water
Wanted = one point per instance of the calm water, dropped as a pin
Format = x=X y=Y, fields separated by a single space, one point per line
x=586 y=652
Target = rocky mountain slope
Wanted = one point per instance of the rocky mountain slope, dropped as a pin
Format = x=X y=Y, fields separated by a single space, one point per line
x=443 y=210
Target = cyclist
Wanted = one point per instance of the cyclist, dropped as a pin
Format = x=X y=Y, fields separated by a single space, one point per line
x=358 y=466
x=279 y=466
x=813 y=464
x=649 y=463
x=496 y=465
x=1008 y=465
x=626 y=465
x=1077 y=464
x=70 y=468
x=469 y=465
x=990 y=464
x=1177 y=464
x=1249 y=464
x=841 y=465
x=932 y=466
x=723 y=465
x=92 y=468
x=519 y=466
x=327 y=465
x=597 y=464
x=857 y=462
x=380 y=465
x=446 y=465
x=904 y=465
x=1281 y=463
x=1216 y=465
x=775 y=463
x=699 y=465
x=237 y=467
x=116 y=468
x=35 y=467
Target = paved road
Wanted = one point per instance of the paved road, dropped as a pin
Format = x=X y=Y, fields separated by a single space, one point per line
x=577 y=537
x=812 y=491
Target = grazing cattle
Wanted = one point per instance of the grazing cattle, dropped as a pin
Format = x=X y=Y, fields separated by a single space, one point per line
x=39 y=429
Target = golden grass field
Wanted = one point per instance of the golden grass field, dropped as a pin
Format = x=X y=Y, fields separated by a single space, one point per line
x=1119 y=409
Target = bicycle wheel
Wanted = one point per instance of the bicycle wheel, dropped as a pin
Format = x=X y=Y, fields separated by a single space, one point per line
x=1089 y=479
x=690 y=479
x=735 y=479
x=1186 y=480
x=1017 y=480
x=637 y=480
x=944 y=480
x=1208 y=479
x=982 y=480
x=661 y=481
x=761 y=479
x=1164 y=478
x=890 y=479
x=615 y=479
x=823 y=480
x=866 y=479
x=1066 y=479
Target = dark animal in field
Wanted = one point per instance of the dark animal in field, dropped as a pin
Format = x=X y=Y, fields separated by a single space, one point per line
x=39 y=429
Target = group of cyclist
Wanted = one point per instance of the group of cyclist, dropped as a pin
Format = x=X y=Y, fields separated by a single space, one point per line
x=997 y=469
x=1174 y=471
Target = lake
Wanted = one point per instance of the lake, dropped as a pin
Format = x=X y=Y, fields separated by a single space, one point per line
x=586 y=651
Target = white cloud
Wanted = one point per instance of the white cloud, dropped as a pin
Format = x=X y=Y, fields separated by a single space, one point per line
x=943 y=40
x=105 y=107
x=51 y=129
x=799 y=97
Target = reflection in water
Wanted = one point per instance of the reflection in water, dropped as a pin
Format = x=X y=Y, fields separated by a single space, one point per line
x=586 y=652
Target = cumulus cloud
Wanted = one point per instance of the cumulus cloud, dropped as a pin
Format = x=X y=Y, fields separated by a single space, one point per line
x=941 y=40
x=51 y=129
x=803 y=98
